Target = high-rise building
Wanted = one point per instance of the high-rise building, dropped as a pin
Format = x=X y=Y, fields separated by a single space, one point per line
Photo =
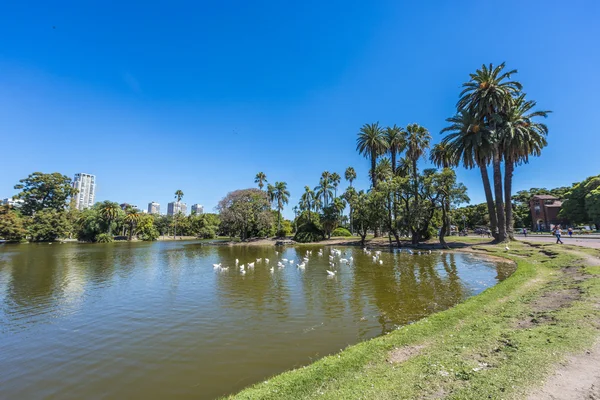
x=86 y=186
x=153 y=208
x=197 y=209
x=176 y=207
x=12 y=202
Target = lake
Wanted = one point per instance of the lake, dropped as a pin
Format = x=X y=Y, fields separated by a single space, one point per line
x=157 y=320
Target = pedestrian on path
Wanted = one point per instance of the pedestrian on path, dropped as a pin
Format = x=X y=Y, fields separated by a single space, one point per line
x=558 y=233
x=570 y=230
x=525 y=232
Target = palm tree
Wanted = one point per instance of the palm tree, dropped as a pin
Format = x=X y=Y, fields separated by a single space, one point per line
x=178 y=196
x=109 y=213
x=470 y=143
x=282 y=196
x=350 y=175
x=324 y=188
x=307 y=199
x=260 y=178
x=383 y=170
x=488 y=95
x=520 y=137
x=270 y=193
x=442 y=156
x=371 y=144
x=335 y=181
x=132 y=218
x=395 y=143
x=417 y=140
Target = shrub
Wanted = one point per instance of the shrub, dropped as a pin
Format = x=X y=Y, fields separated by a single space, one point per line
x=104 y=238
x=341 y=232
x=282 y=233
x=309 y=232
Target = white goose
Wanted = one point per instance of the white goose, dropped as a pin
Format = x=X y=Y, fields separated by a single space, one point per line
x=330 y=273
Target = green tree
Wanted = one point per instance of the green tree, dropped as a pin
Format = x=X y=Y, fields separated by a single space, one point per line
x=132 y=218
x=260 y=178
x=335 y=182
x=520 y=137
x=41 y=191
x=48 y=225
x=12 y=227
x=371 y=144
x=145 y=228
x=489 y=95
x=109 y=211
x=178 y=197
x=282 y=196
x=395 y=143
x=350 y=175
x=324 y=191
x=245 y=213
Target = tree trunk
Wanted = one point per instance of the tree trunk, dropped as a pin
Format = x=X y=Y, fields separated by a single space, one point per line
x=500 y=213
x=444 y=225
x=489 y=200
x=508 y=176
x=374 y=182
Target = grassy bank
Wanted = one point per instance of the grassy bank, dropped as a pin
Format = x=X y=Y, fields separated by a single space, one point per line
x=500 y=344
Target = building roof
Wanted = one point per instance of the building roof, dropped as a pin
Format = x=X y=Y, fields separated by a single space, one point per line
x=555 y=204
x=544 y=197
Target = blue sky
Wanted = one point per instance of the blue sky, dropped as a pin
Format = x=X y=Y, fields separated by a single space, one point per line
x=157 y=96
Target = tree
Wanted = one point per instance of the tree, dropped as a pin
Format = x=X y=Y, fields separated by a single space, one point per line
x=307 y=200
x=41 y=191
x=335 y=182
x=324 y=189
x=132 y=218
x=574 y=207
x=441 y=156
x=260 y=178
x=489 y=95
x=471 y=144
x=450 y=192
x=395 y=143
x=110 y=212
x=282 y=196
x=371 y=144
x=48 y=225
x=11 y=225
x=145 y=228
x=350 y=175
x=520 y=137
x=245 y=213
x=178 y=197
x=417 y=140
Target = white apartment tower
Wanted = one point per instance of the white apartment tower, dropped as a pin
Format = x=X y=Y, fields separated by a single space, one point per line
x=153 y=208
x=86 y=187
x=176 y=207
x=197 y=209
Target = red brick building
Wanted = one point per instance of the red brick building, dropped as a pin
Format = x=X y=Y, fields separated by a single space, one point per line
x=544 y=212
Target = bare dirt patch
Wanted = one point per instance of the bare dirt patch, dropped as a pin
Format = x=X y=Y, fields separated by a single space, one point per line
x=578 y=378
x=402 y=354
x=555 y=300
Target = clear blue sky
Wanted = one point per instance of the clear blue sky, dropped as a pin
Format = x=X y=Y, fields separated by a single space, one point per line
x=157 y=96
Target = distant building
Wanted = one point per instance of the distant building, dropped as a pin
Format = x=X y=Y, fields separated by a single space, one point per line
x=86 y=186
x=12 y=202
x=176 y=207
x=544 y=212
x=125 y=206
x=153 y=208
x=197 y=209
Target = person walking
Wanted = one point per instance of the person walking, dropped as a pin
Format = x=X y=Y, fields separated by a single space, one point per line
x=558 y=233
x=525 y=232
x=570 y=231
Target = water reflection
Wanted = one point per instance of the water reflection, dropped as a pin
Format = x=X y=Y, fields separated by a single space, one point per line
x=106 y=317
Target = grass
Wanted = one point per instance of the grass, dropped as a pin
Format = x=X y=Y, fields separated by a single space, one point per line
x=499 y=344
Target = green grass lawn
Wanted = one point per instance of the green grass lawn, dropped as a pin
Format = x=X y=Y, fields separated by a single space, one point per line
x=499 y=344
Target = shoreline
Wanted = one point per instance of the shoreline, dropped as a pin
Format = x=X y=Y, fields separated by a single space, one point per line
x=518 y=331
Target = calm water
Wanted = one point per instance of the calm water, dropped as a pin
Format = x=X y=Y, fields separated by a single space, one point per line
x=156 y=320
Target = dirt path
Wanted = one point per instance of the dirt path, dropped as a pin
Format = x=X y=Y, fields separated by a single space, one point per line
x=578 y=377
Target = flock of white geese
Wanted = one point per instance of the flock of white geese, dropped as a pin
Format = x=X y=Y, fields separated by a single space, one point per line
x=335 y=261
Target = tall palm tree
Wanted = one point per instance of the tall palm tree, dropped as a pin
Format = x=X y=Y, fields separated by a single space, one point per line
x=109 y=213
x=383 y=170
x=371 y=144
x=350 y=175
x=132 y=218
x=417 y=140
x=488 y=95
x=520 y=137
x=282 y=196
x=260 y=178
x=335 y=182
x=395 y=143
x=442 y=156
x=307 y=200
x=178 y=197
x=324 y=189
x=471 y=144
x=270 y=193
